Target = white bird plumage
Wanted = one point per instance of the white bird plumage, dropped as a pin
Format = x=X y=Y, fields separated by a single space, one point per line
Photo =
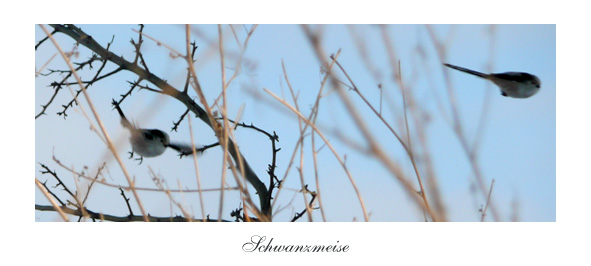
x=150 y=142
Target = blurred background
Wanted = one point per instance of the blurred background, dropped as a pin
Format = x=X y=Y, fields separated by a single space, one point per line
x=514 y=140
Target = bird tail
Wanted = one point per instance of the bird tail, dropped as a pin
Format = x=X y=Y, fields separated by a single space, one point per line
x=124 y=120
x=475 y=73
x=186 y=149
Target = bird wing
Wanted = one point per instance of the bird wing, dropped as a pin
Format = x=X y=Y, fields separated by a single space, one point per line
x=514 y=76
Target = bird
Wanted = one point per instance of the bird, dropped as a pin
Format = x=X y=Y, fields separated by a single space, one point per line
x=150 y=142
x=512 y=84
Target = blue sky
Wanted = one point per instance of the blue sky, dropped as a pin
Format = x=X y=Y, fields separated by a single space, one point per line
x=517 y=144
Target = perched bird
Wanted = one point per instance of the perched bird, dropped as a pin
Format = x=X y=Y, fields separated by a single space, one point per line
x=512 y=84
x=149 y=142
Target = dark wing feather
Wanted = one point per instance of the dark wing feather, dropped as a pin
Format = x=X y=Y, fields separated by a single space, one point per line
x=514 y=76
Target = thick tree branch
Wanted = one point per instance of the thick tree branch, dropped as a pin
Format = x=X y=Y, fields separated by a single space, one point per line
x=87 y=41
x=130 y=218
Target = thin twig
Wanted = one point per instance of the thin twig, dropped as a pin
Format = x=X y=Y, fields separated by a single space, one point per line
x=492 y=183
x=109 y=143
x=139 y=188
x=337 y=156
x=196 y=168
x=224 y=138
x=82 y=38
x=207 y=117
x=53 y=203
x=374 y=146
x=457 y=126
